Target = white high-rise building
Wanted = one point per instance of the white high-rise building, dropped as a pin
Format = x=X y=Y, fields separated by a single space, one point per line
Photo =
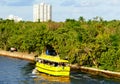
x=42 y=12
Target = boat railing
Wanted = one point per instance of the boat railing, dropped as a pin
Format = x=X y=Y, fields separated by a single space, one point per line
x=55 y=64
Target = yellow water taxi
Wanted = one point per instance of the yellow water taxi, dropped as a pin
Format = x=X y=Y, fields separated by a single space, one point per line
x=52 y=64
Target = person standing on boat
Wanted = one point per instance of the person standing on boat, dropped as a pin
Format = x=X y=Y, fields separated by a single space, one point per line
x=47 y=52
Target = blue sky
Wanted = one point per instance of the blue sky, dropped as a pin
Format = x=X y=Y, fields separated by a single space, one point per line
x=63 y=9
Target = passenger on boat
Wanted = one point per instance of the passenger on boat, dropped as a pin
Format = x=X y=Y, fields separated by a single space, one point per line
x=51 y=52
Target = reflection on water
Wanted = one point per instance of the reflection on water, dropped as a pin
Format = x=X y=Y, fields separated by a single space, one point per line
x=16 y=71
x=44 y=78
x=83 y=78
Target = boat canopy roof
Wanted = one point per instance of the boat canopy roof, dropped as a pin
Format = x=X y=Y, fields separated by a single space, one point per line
x=52 y=58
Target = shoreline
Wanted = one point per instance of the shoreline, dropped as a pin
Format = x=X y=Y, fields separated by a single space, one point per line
x=97 y=72
x=19 y=55
x=88 y=70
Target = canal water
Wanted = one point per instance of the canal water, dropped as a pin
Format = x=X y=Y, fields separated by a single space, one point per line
x=17 y=71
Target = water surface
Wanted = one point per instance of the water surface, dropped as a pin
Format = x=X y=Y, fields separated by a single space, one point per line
x=17 y=71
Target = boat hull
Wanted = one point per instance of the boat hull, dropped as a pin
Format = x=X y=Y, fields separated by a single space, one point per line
x=52 y=70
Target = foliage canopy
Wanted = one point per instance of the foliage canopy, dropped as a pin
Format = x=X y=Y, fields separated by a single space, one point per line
x=94 y=43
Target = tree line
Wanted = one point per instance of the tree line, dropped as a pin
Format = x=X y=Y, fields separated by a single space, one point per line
x=93 y=43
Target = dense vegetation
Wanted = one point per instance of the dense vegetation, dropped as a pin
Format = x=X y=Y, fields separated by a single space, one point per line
x=93 y=43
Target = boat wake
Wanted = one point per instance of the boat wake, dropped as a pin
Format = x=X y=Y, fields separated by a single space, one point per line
x=35 y=71
x=86 y=77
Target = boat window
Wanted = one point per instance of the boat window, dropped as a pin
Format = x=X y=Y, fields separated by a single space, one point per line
x=56 y=64
x=46 y=62
x=63 y=64
x=51 y=63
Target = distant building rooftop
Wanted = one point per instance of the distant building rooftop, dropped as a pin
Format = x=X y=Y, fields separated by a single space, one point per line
x=15 y=18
